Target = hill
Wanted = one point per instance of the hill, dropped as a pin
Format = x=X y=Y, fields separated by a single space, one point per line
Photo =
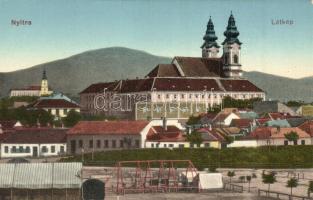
x=71 y=75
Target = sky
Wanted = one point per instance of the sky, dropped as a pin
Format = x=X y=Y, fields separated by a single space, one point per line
x=60 y=29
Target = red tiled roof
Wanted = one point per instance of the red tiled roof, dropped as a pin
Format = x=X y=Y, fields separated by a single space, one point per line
x=307 y=127
x=136 y=85
x=7 y=125
x=164 y=70
x=200 y=67
x=185 y=84
x=36 y=136
x=108 y=127
x=241 y=123
x=273 y=132
x=278 y=115
x=54 y=103
x=99 y=87
x=172 y=134
x=239 y=85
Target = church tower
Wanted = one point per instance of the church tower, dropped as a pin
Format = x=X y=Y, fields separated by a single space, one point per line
x=231 y=50
x=44 y=85
x=210 y=48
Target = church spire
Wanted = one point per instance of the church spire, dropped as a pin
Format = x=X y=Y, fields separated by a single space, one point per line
x=44 y=75
x=231 y=32
x=210 y=46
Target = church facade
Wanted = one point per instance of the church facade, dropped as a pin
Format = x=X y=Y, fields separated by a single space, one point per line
x=186 y=86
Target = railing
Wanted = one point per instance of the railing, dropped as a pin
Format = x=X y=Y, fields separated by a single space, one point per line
x=233 y=187
x=280 y=195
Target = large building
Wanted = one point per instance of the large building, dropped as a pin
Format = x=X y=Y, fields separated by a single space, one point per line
x=188 y=85
x=34 y=90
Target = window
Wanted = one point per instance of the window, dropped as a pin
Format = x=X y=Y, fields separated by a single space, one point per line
x=159 y=96
x=152 y=145
x=196 y=96
x=171 y=145
x=182 y=96
x=207 y=145
x=6 y=149
x=235 y=59
x=65 y=111
x=90 y=143
x=203 y=96
x=106 y=143
x=164 y=145
x=121 y=143
x=157 y=145
x=167 y=96
x=113 y=144
x=295 y=142
x=44 y=149
x=98 y=143
x=190 y=96
x=137 y=143
x=80 y=144
x=13 y=150
x=57 y=111
x=302 y=142
x=286 y=142
x=52 y=149
x=27 y=150
x=181 y=145
x=62 y=149
x=20 y=149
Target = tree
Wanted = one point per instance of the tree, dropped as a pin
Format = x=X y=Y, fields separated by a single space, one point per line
x=193 y=120
x=310 y=189
x=72 y=118
x=229 y=139
x=248 y=178
x=195 y=138
x=292 y=136
x=230 y=174
x=44 y=118
x=269 y=179
x=292 y=183
x=242 y=179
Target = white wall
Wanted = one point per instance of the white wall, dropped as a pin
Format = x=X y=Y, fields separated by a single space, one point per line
x=10 y=154
x=243 y=143
x=166 y=144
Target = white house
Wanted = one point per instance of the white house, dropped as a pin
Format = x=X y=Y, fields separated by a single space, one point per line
x=34 y=142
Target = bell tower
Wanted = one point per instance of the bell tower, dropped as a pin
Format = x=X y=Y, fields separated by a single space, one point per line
x=44 y=85
x=210 y=48
x=231 y=50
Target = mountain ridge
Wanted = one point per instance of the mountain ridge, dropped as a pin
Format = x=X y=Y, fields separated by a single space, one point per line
x=74 y=73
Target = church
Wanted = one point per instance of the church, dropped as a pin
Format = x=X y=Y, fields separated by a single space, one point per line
x=34 y=90
x=186 y=86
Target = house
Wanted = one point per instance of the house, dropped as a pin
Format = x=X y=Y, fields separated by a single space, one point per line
x=34 y=142
x=307 y=126
x=211 y=138
x=271 y=136
x=56 y=107
x=305 y=110
x=224 y=119
x=272 y=106
x=169 y=137
x=278 y=123
x=91 y=136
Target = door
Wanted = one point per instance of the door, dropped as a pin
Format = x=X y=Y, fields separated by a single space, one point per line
x=73 y=147
x=35 y=151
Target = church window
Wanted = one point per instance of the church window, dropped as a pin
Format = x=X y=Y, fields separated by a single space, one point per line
x=159 y=96
x=182 y=96
x=167 y=96
x=235 y=59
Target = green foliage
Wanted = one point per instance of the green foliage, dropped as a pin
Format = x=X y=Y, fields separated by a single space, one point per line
x=292 y=183
x=269 y=179
x=229 y=139
x=215 y=109
x=72 y=118
x=310 y=188
x=259 y=158
x=295 y=103
x=229 y=102
x=248 y=178
x=292 y=136
x=195 y=138
x=231 y=174
x=242 y=178
x=254 y=175
x=193 y=120
x=98 y=118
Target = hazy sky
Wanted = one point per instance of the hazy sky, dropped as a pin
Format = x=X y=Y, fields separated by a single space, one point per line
x=62 y=28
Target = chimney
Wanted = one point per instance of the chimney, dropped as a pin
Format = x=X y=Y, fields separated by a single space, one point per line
x=164 y=124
